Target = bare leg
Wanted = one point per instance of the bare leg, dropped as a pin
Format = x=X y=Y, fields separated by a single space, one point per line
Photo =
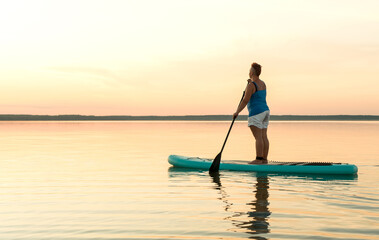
x=259 y=143
x=266 y=143
x=257 y=132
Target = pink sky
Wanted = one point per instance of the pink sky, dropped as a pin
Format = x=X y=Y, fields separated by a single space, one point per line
x=187 y=57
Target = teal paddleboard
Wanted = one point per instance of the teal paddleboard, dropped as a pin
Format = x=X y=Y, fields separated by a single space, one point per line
x=278 y=167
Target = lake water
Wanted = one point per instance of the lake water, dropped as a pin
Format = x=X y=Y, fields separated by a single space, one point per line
x=111 y=180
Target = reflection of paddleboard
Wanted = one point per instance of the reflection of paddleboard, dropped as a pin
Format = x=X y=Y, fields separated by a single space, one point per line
x=279 y=167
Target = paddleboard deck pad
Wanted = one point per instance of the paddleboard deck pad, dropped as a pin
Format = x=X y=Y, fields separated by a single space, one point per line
x=271 y=166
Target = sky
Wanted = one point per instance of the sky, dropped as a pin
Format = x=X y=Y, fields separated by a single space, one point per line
x=187 y=57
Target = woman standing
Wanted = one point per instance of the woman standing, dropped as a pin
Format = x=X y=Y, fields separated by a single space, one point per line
x=259 y=113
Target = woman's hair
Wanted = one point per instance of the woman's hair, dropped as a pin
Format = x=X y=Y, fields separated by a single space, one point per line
x=257 y=68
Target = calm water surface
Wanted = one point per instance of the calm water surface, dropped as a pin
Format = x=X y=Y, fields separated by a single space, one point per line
x=111 y=180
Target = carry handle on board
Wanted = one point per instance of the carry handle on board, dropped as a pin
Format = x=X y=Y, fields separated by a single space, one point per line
x=216 y=162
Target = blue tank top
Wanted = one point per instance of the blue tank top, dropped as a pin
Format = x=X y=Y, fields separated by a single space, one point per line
x=257 y=103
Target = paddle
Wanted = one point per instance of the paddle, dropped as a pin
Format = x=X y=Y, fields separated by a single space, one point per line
x=216 y=162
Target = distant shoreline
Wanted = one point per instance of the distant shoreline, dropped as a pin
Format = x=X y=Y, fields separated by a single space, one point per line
x=26 y=117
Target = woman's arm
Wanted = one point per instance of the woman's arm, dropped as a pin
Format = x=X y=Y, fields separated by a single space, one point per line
x=248 y=92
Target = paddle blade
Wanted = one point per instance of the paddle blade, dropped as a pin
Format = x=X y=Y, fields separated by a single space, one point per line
x=215 y=164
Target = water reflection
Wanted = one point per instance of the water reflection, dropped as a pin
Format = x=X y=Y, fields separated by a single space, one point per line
x=253 y=220
x=257 y=217
x=301 y=176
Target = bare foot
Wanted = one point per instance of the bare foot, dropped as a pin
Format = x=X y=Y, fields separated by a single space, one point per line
x=256 y=161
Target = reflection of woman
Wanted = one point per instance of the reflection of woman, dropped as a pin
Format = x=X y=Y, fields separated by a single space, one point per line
x=260 y=211
x=259 y=113
x=258 y=217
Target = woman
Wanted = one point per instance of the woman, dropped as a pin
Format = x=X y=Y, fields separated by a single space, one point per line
x=259 y=113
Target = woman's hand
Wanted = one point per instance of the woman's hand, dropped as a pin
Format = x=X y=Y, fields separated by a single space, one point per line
x=235 y=115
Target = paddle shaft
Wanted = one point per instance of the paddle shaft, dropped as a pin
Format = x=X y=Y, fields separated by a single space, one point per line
x=216 y=162
x=231 y=125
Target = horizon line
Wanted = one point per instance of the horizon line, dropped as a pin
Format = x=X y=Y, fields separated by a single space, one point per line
x=170 y=115
x=77 y=117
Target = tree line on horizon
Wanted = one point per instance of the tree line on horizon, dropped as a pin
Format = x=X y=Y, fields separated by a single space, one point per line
x=26 y=117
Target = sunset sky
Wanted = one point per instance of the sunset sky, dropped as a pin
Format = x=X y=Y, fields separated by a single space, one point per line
x=179 y=57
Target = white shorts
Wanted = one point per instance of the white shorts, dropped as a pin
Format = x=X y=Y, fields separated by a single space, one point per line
x=260 y=120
